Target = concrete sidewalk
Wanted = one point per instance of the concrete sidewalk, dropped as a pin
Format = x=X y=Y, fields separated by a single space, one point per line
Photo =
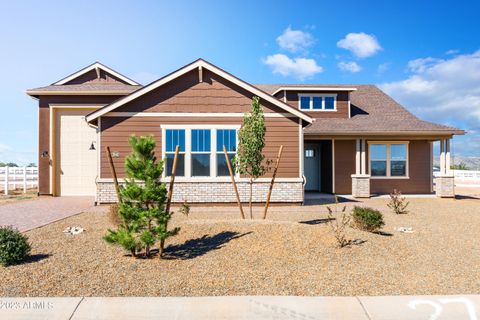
x=254 y=307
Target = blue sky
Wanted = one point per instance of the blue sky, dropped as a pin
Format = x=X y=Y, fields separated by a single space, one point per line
x=425 y=54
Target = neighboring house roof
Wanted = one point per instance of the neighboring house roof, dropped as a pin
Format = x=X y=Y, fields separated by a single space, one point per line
x=93 y=66
x=85 y=89
x=199 y=64
x=373 y=112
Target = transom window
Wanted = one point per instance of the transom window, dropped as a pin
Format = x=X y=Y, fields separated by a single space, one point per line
x=201 y=150
x=388 y=159
x=318 y=102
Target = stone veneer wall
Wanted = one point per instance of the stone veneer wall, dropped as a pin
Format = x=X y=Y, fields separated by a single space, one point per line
x=218 y=192
x=445 y=186
x=360 y=186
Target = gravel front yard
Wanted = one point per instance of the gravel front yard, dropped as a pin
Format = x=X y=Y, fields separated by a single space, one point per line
x=292 y=253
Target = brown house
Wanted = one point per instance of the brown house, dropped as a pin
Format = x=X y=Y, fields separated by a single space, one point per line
x=341 y=139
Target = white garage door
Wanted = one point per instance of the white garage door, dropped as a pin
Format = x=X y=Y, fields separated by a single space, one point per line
x=76 y=163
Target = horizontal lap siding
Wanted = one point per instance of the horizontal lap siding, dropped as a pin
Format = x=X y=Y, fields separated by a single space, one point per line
x=116 y=130
x=419 y=172
x=44 y=130
x=344 y=165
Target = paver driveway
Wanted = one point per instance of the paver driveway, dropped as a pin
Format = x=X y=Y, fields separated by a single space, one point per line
x=27 y=215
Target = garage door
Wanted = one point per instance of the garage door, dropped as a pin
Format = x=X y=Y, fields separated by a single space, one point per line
x=76 y=163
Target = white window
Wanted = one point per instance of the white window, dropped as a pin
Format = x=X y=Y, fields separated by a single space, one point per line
x=227 y=138
x=388 y=159
x=174 y=137
x=201 y=149
x=318 y=102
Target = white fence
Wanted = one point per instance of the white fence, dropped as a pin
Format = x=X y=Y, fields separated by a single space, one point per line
x=464 y=177
x=12 y=178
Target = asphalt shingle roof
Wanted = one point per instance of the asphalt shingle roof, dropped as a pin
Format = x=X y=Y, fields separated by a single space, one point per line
x=85 y=87
x=373 y=111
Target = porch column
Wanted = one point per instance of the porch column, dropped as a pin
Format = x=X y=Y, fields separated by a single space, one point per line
x=444 y=183
x=448 y=171
x=360 y=180
x=362 y=157
x=442 y=157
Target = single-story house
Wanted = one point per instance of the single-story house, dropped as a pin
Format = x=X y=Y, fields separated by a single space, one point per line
x=340 y=139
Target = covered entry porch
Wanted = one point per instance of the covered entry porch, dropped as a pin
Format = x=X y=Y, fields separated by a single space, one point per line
x=319 y=166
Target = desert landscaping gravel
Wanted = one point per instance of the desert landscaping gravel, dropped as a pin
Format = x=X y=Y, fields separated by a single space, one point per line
x=291 y=253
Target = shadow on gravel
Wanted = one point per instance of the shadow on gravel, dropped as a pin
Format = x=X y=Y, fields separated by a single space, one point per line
x=317 y=221
x=198 y=247
x=383 y=233
x=36 y=257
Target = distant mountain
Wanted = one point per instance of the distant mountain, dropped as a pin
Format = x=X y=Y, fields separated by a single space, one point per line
x=472 y=163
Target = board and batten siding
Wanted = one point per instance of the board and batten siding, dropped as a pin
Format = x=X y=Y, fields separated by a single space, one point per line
x=116 y=130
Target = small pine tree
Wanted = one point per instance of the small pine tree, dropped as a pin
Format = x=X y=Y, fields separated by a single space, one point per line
x=143 y=198
x=250 y=159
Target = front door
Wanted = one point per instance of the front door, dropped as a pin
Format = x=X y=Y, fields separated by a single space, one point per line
x=312 y=166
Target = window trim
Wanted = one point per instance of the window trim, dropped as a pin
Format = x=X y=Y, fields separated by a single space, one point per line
x=388 y=144
x=322 y=95
x=188 y=148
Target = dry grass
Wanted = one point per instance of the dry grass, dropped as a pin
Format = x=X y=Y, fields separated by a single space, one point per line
x=18 y=195
x=293 y=253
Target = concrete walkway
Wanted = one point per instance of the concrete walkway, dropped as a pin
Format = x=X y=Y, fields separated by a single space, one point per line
x=255 y=307
x=27 y=215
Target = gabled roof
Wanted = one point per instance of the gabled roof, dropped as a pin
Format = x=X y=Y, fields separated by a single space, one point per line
x=92 y=67
x=373 y=112
x=84 y=89
x=198 y=64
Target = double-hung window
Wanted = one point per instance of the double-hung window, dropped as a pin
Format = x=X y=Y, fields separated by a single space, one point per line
x=227 y=138
x=200 y=149
x=318 y=102
x=174 y=137
x=388 y=159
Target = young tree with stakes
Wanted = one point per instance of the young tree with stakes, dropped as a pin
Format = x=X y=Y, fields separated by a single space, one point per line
x=143 y=198
x=250 y=159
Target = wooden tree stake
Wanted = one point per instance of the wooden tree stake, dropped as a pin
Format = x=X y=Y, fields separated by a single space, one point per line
x=172 y=180
x=232 y=176
x=170 y=194
x=272 y=182
x=114 y=173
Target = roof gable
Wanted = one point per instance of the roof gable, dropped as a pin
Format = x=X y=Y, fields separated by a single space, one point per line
x=200 y=65
x=95 y=71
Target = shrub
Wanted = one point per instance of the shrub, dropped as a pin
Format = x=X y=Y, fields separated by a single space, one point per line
x=367 y=219
x=14 y=246
x=114 y=214
x=338 y=226
x=398 y=203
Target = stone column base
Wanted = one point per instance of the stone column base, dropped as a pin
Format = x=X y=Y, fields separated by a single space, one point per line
x=445 y=186
x=361 y=185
